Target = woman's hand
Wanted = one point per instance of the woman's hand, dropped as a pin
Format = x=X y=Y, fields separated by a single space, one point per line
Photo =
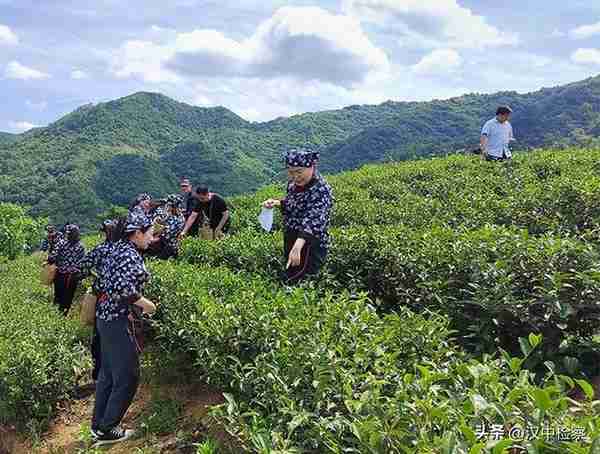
x=295 y=257
x=148 y=307
x=270 y=203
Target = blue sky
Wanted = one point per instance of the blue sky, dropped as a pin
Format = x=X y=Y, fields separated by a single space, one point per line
x=264 y=59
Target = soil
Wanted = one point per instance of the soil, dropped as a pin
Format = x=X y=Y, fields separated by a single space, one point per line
x=66 y=436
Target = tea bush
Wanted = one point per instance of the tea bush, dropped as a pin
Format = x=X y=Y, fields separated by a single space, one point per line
x=541 y=191
x=19 y=233
x=496 y=283
x=314 y=372
x=247 y=251
x=501 y=250
x=41 y=352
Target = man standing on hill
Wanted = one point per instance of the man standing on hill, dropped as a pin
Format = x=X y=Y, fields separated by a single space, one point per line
x=496 y=135
x=306 y=213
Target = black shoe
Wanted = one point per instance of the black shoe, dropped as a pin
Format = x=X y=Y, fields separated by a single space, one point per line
x=114 y=435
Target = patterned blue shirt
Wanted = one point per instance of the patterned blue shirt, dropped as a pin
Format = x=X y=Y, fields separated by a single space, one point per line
x=67 y=256
x=122 y=279
x=173 y=227
x=307 y=210
x=94 y=260
x=155 y=215
x=48 y=245
x=138 y=211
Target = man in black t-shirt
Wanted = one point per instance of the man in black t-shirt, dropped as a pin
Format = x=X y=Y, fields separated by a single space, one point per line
x=189 y=203
x=210 y=209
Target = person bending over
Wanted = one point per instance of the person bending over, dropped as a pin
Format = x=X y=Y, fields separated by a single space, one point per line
x=213 y=212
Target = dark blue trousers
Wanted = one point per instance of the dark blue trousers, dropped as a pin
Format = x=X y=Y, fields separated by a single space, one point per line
x=312 y=258
x=119 y=374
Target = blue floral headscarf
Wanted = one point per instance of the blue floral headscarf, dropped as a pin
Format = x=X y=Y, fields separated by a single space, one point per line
x=301 y=157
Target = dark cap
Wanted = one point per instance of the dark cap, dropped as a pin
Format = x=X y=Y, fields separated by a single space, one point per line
x=503 y=110
x=202 y=189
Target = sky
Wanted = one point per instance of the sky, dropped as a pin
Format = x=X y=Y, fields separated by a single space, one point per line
x=269 y=58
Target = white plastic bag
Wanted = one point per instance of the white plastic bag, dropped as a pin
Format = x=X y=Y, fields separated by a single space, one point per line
x=266 y=218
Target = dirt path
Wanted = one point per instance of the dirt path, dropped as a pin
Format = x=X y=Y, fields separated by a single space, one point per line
x=69 y=433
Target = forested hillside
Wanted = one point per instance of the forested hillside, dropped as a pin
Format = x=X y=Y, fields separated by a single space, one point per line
x=102 y=155
x=6 y=138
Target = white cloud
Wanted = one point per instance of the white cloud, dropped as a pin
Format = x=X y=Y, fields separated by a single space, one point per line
x=21 y=126
x=15 y=70
x=144 y=60
x=157 y=29
x=431 y=23
x=586 y=56
x=209 y=52
x=38 y=106
x=556 y=33
x=250 y=114
x=202 y=101
x=259 y=99
x=585 y=31
x=306 y=43
x=540 y=61
x=77 y=74
x=7 y=36
x=439 y=62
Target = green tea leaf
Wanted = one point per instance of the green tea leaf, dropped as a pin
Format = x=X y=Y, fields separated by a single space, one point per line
x=535 y=340
x=525 y=347
x=542 y=399
x=587 y=388
x=502 y=446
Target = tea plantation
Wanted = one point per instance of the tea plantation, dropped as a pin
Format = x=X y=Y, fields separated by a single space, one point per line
x=458 y=314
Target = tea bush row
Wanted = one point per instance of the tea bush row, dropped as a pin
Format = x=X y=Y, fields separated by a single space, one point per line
x=543 y=191
x=495 y=283
x=316 y=372
x=41 y=353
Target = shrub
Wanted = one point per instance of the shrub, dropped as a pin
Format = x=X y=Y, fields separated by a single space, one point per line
x=311 y=372
x=18 y=232
x=41 y=352
x=496 y=284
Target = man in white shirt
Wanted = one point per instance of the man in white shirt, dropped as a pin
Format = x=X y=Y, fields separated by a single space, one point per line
x=496 y=135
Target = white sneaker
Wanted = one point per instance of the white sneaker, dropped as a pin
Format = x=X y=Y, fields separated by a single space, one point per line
x=115 y=435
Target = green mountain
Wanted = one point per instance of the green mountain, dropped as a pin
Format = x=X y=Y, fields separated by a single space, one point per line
x=102 y=155
x=7 y=137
